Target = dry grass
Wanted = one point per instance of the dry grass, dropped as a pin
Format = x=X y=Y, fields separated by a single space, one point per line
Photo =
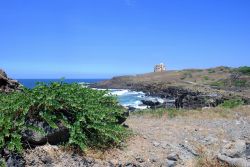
x=207 y=113
x=206 y=161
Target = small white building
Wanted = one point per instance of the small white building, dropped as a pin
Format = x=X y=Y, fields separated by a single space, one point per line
x=159 y=67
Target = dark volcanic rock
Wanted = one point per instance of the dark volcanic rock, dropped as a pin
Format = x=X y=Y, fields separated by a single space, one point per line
x=154 y=103
x=52 y=136
x=184 y=98
x=15 y=160
x=123 y=118
x=48 y=155
x=7 y=84
x=151 y=103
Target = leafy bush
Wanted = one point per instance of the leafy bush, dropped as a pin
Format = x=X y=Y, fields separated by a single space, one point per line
x=240 y=83
x=206 y=78
x=219 y=83
x=244 y=70
x=210 y=71
x=2 y=163
x=90 y=115
x=186 y=75
x=232 y=103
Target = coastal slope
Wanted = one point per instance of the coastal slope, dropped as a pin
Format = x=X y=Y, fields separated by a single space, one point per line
x=186 y=86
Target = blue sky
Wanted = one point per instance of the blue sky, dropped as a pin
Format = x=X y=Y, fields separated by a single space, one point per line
x=103 y=38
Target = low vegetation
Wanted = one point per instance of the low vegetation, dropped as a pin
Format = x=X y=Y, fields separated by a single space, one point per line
x=206 y=78
x=90 y=115
x=244 y=70
x=232 y=103
x=206 y=161
x=171 y=112
x=225 y=110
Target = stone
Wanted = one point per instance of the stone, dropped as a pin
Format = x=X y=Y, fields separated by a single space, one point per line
x=47 y=160
x=2 y=73
x=122 y=119
x=234 y=149
x=15 y=160
x=173 y=157
x=156 y=144
x=7 y=84
x=129 y=164
x=235 y=154
x=52 y=136
x=140 y=159
x=153 y=102
x=171 y=163
x=239 y=162
x=189 y=149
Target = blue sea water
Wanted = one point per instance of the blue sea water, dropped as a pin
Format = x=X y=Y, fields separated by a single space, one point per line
x=31 y=83
x=125 y=97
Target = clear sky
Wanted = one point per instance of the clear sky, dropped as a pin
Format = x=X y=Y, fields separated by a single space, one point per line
x=103 y=38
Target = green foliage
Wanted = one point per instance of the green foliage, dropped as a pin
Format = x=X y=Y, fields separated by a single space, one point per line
x=244 y=70
x=232 y=103
x=206 y=78
x=210 y=71
x=186 y=75
x=170 y=112
x=2 y=163
x=90 y=115
x=240 y=83
x=219 y=83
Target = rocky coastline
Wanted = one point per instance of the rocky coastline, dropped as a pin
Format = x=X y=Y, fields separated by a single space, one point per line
x=157 y=141
x=184 y=93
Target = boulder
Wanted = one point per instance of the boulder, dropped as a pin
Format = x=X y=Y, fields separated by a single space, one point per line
x=123 y=118
x=49 y=135
x=172 y=160
x=7 y=84
x=235 y=154
x=2 y=73
x=15 y=160
x=153 y=102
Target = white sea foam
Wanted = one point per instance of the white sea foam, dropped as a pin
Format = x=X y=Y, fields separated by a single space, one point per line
x=119 y=92
x=128 y=98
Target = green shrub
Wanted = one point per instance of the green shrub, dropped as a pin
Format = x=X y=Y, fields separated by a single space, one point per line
x=210 y=71
x=244 y=70
x=206 y=78
x=186 y=75
x=218 y=83
x=90 y=115
x=232 y=103
x=2 y=162
x=240 y=83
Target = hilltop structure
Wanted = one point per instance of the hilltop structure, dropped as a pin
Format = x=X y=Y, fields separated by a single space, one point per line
x=159 y=67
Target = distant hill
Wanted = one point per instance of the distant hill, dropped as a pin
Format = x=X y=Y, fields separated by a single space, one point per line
x=221 y=80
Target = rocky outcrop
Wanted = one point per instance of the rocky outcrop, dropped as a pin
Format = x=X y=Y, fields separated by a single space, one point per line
x=236 y=154
x=48 y=155
x=7 y=84
x=43 y=134
x=199 y=88
x=183 y=98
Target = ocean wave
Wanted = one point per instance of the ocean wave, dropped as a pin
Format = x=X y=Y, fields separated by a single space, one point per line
x=125 y=92
x=119 y=92
x=128 y=98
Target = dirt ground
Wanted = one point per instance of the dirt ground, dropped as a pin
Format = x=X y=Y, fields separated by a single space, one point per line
x=157 y=139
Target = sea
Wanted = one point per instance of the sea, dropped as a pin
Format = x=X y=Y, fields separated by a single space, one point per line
x=125 y=97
